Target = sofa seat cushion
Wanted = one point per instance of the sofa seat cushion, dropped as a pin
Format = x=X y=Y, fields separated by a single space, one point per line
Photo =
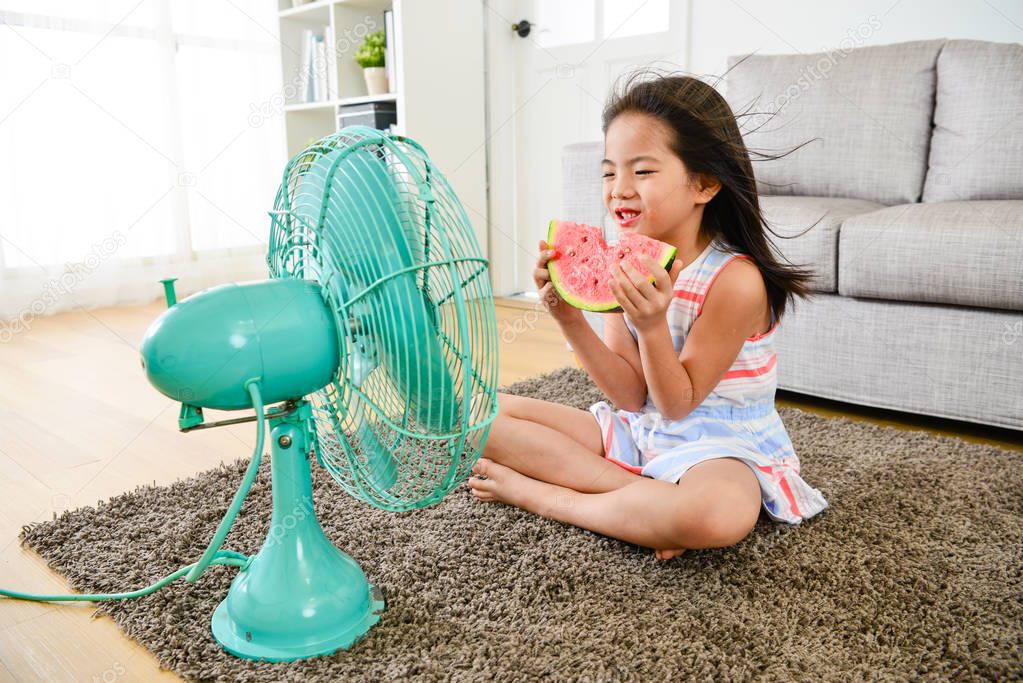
x=864 y=113
x=967 y=253
x=817 y=246
x=977 y=146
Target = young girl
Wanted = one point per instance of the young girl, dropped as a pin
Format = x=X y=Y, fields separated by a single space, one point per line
x=697 y=446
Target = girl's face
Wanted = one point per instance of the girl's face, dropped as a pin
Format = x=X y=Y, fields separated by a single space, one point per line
x=642 y=174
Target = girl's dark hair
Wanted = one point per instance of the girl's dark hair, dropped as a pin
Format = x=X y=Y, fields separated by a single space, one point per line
x=706 y=137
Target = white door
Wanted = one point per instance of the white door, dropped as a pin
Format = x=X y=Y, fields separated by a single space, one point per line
x=547 y=90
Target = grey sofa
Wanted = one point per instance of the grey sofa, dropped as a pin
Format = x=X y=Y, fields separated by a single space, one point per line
x=913 y=183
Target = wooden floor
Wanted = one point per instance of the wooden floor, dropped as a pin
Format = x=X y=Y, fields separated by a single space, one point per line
x=79 y=424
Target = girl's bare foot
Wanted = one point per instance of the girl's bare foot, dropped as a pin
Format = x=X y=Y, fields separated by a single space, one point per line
x=665 y=555
x=505 y=485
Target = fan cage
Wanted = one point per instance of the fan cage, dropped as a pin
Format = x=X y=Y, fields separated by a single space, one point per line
x=412 y=267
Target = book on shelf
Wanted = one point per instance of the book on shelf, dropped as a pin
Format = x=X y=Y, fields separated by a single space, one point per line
x=304 y=66
x=319 y=74
x=318 y=69
x=389 y=51
x=332 y=56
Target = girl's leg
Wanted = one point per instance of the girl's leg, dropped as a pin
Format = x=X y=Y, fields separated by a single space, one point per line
x=553 y=443
x=512 y=444
x=715 y=504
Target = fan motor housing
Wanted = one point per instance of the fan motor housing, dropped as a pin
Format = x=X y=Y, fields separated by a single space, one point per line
x=202 y=350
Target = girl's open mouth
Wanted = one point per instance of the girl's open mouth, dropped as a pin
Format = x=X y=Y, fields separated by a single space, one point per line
x=626 y=217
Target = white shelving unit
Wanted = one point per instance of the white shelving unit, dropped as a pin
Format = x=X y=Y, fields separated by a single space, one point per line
x=349 y=22
x=438 y=90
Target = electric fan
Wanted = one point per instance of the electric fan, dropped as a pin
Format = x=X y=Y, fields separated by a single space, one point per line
x=376 y=335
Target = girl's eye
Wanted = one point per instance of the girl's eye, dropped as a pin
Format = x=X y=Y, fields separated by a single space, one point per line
x=608 y=175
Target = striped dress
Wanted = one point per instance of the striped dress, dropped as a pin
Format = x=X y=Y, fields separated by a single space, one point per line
x=737 y=419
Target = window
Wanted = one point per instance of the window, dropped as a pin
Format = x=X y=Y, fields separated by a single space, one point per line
x=127 y=124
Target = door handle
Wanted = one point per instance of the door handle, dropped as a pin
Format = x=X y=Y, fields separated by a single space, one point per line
x=523 y=27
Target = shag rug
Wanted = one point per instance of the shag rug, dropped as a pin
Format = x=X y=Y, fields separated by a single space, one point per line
x=914 y=572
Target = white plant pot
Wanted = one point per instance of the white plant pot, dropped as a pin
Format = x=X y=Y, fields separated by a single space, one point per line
x=376 y=79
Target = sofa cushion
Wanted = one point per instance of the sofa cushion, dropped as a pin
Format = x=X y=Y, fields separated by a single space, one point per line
x=958 y=362
x=869 y=109
x=582 y=199
x=968 y=253
x=977 y=146
x=817 y=247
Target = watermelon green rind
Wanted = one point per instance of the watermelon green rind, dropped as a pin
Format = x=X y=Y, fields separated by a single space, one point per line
x=667 y=257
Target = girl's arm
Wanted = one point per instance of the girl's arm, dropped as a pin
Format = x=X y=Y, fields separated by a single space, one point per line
x=670 y=386
x=732 y=311
x=614 y=365
x=621 y=380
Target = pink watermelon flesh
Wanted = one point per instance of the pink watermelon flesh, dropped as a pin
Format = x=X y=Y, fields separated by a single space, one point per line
x=583 y=260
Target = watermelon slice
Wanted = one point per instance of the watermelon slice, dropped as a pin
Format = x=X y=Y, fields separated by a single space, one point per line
x=583 y=260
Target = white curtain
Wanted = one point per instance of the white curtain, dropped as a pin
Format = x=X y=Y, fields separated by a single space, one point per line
x=137 y=142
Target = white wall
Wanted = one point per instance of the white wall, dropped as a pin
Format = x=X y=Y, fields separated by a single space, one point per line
x=444 y=95
x=720 y=29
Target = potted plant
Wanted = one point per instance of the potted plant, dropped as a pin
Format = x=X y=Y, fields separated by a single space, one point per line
x=370 y=56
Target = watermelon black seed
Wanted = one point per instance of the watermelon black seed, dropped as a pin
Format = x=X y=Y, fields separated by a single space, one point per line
x=571 y=253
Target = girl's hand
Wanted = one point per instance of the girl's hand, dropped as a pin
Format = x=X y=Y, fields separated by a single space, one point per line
x=559 y=309
x=646 y=303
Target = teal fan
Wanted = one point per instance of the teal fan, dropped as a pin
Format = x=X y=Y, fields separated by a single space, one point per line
x=376 y=335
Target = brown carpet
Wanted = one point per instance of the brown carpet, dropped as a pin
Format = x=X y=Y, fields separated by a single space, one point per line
x=913 y=572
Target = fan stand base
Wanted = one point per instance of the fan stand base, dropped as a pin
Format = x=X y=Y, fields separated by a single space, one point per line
x=300 y=596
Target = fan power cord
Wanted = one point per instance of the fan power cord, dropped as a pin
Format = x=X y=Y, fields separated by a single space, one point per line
x=213 y=553
x=222 y=557
x=243 y=490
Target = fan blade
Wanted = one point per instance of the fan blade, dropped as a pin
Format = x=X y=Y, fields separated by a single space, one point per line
x=382 y=471
x=365 y=217
x=413 y=355
x=360 y=213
